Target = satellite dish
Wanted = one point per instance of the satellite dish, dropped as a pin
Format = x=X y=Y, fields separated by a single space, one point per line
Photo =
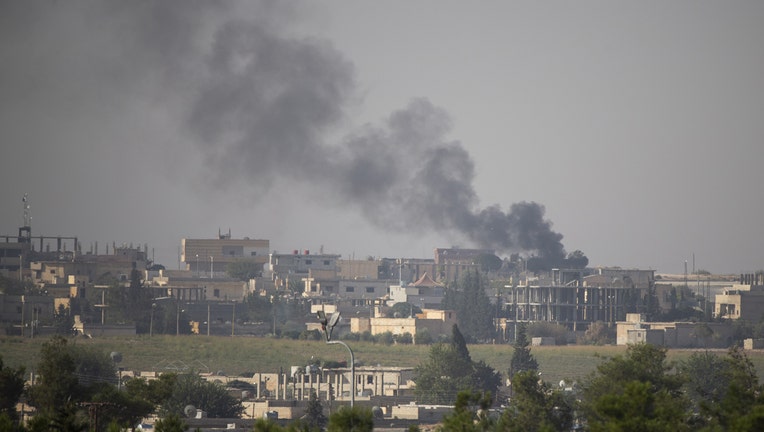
x=189 y=411
x=335 y=318
x=377 y=412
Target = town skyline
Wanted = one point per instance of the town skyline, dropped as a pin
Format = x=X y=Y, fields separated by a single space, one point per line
x=631 y=131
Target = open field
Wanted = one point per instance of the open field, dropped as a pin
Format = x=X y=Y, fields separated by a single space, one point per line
x=245 y=355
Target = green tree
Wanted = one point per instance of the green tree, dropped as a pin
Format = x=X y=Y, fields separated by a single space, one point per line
x=171 y=423
x=314 y=413
x=643 y=368
x=522 y=359
x=56 y=379
x=11 y=389
x=119 y=407
x=356 y=419
x=450 y=370
x=473 y=308
x=727 y=388
x=470 y=413
x=244 y=270
x=639 y=408
x=63 y=321
x=598 y=333
x=442 y=376
x=535 y=406
x=191 y=389
x=402 y=310
x=155 y=391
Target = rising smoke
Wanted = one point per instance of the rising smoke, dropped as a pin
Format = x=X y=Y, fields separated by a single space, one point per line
x=264 y=109
x=259 y=105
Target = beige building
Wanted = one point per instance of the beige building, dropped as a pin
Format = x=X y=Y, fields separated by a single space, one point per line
x=210 y=257
x=452 y=263
x=435 y=322
x=741 y=302
x=674 y=334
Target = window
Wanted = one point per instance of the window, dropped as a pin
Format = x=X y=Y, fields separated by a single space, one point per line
x=326 y=262
x=369 y=289
x=308 y=262
x=349 y=289
x=216 y=293
x=253 y=254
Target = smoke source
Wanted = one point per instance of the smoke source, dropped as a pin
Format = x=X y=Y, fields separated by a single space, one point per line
x=263 y=110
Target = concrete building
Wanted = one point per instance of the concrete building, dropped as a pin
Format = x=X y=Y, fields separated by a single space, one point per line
x=743 y=301
x=436 y=322
x=424 y=293
x=674 y=334
x=210 y=257
x=285 y=269
x=453 y=262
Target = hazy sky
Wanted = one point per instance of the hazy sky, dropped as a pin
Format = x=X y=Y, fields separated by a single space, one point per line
x=629 y=130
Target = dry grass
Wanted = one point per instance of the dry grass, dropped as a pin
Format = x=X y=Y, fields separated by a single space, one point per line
x=240 y=355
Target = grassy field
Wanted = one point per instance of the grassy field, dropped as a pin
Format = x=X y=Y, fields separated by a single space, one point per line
x=245 y=355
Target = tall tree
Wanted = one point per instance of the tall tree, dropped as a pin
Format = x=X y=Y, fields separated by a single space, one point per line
x=314 y=413
x=191 y=389
x=356 y=419
x=469 y=414
x=450 y=370
x=468 y=298
x=442 y=376
x=11 y=389
x=535 y=406
x=56 y=379
x=723 y=389
x=522 y=359
x=617 y=388
x=171 y=423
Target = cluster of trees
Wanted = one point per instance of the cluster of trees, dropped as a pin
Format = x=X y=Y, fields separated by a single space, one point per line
x=637 y=391
x=449 y=370
x=77 y=388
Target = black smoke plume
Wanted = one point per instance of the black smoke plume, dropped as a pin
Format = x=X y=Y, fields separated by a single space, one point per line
x=265 y=107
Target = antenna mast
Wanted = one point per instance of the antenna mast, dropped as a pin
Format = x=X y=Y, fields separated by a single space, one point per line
x=27 y=212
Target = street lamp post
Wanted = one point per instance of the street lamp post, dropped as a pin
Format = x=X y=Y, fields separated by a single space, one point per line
x=328 y=324
x=212 y=266
x=197 y=265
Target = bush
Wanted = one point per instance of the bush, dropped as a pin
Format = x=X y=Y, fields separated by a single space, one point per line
x=290 y=334
x=404 y=338
x=385 y=338
x=598 y=333
x=310 y=335
x=350 y=336
x=547 y=329
x=423 y=337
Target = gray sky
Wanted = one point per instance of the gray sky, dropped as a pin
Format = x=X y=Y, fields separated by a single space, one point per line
x=628 y=130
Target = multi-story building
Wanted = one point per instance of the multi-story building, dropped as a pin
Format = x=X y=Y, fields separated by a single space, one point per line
x=743 y=301
x=424 y=293
x=572 y=299
x=285 y=269
x=210 y=257
x=452 y=263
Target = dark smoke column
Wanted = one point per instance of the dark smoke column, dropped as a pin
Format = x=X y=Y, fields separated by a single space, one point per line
x=265 y=107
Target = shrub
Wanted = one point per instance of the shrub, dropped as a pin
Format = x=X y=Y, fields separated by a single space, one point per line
x=547 y=329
